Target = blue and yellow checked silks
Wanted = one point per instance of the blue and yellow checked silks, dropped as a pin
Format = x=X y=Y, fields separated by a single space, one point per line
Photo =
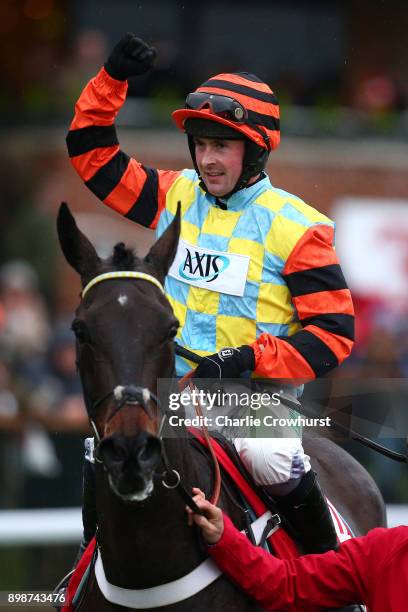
x=263 y=223
x=277 y=272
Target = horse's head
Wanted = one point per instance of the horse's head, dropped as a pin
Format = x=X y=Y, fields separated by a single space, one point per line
x=124 y=327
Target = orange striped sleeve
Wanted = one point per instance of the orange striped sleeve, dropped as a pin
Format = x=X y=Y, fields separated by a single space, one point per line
x=314 y=248
x=128 y=190
x=339 y=345
x=89 y=163
x=119 y=181
x=99 y=102
x=314 y=304
x=277 y=359
x=323 y=306
x=166 y=179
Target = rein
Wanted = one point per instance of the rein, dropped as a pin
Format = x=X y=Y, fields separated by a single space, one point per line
x=186 y=381
x=379 y=448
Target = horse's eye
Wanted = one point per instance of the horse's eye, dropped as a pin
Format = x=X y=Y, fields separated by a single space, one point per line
x=80 y=331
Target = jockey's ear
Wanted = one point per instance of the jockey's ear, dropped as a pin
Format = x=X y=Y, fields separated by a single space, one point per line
x=78 y=250
x=163 y=251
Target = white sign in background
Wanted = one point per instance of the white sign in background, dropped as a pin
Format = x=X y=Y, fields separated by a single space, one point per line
x=372 y=245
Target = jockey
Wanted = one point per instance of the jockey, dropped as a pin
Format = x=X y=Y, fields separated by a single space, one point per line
x=255 y=270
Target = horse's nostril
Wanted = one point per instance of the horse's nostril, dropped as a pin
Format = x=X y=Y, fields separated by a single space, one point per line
x=149 y=454
x=112 y=452
x=142 y=452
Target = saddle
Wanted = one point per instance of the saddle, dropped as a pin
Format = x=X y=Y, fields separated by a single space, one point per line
x=252 y=497
x=235 y=473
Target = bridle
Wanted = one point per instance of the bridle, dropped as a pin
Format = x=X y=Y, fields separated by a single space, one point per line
x=121 y=274
x=129 y=394
x=136 y=395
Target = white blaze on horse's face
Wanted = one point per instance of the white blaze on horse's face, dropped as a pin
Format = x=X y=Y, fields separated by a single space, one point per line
x=123 y=299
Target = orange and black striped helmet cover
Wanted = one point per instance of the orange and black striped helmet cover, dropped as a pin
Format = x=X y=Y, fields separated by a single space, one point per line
x=253 y=94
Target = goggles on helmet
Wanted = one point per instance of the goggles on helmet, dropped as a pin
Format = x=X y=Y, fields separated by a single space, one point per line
x=221 y=106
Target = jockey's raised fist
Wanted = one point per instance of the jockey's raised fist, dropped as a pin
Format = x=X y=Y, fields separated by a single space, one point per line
x=227 y=363
x=130 y=57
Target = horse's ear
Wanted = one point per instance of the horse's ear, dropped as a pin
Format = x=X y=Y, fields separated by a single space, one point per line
x=78 y=250
x=163 y=251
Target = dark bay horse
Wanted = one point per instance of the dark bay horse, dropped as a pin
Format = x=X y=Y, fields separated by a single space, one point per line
x=124 y=329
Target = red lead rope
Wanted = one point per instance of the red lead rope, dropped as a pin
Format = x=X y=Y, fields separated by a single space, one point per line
x=187 y=382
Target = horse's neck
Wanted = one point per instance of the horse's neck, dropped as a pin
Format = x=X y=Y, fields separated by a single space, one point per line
x=150 y=543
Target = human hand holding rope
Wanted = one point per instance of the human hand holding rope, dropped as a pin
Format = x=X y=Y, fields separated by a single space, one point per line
x=211 y=522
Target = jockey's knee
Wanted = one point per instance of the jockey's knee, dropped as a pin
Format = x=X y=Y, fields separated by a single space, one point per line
x=276 y=462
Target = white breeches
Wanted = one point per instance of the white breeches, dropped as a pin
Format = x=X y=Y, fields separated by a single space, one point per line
x=273 y=461
x=273 y=456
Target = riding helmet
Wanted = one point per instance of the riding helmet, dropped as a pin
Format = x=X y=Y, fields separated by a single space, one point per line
x=233 y=106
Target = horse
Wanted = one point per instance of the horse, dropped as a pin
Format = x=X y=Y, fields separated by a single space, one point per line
x=125 y=331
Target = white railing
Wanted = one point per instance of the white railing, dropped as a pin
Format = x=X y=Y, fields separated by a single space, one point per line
x=397 y=514
x=64 y=526
x=49 y=526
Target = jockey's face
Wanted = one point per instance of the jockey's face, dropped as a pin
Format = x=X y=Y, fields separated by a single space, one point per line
x=219 y=163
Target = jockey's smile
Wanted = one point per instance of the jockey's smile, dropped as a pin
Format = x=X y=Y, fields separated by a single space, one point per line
x=220 y=163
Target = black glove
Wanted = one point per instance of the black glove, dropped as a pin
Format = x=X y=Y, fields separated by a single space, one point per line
x=227 y=363
x=130 y=57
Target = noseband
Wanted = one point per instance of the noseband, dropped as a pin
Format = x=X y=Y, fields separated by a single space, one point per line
x=138 y=396
x=129 y=394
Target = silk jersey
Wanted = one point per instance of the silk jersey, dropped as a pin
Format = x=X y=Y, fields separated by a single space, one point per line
x=264 y=272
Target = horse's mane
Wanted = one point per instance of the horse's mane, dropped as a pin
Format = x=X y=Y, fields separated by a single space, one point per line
x=123 y=258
